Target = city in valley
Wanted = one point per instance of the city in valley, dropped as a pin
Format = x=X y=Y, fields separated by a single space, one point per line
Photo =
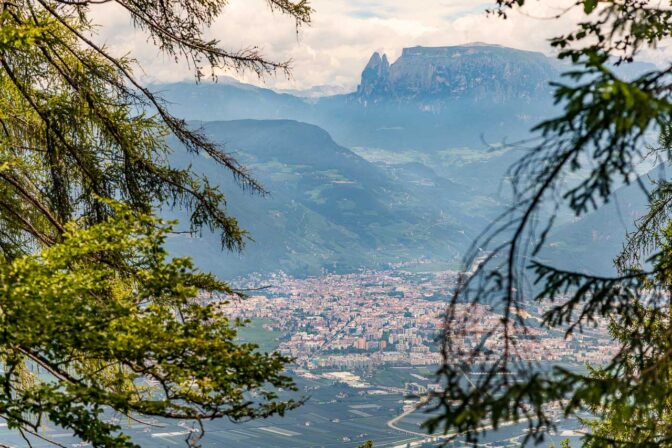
x=377 y=318
x=366 y=349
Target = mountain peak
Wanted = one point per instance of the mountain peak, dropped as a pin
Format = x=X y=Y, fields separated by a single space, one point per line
x=475 y=70
x=377 y=63
x=374 y=76
x=374 y=61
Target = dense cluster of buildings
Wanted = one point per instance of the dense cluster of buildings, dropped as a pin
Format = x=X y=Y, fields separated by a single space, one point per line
x=393 y=317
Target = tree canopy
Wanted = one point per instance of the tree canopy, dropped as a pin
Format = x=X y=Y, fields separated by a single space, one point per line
x=96 y=317
x=137 y=341
x=606 y=127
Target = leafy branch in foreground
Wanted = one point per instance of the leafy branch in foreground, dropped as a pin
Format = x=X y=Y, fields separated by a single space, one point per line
x=75 y=122
x=94 y=313
x=593 y=146
x=82 y=338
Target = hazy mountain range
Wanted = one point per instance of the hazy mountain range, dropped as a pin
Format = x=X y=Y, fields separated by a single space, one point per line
x=430 y=98
x=396 y=171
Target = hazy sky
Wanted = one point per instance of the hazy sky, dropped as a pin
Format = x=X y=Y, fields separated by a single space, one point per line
x=344 y=33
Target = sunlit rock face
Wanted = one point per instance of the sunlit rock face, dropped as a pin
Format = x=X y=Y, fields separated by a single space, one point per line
x=478 y=72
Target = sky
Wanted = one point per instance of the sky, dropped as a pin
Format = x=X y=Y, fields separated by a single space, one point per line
x=343 y=34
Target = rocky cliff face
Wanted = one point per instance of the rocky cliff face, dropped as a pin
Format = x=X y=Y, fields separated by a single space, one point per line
x=475 y=72
x=375 y=77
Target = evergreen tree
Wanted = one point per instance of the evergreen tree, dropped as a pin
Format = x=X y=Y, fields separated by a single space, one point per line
x=95 y=317
x=595 y=144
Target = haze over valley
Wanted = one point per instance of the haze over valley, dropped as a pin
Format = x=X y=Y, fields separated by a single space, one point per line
x=372 y=199
x=335 y=224
x=409 y=168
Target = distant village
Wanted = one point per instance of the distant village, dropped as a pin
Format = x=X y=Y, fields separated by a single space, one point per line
x=393 y=317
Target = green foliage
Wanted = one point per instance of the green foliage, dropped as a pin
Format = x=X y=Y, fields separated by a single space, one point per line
x=105 y=320
x=79 y=136
x=95 y=316
x=564 y=443
x=639 y=409
x=19 y=36
x=593 y=145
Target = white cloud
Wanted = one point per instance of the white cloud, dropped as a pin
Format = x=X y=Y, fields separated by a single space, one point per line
x=344 y=33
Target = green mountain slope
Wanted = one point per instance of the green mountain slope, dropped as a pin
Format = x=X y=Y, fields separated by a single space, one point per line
x=327 y=207
x=419 y=182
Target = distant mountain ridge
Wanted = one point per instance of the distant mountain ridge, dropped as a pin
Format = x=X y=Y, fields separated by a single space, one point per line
x=407 y=174
x=429 y=98
x=476 y=71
